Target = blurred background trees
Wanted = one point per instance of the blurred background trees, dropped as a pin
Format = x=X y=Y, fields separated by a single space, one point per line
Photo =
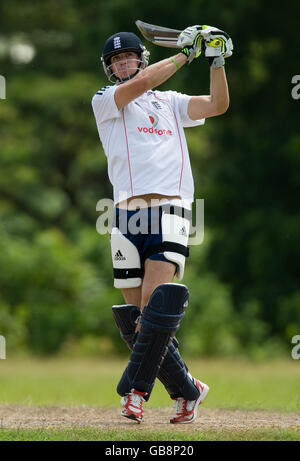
x=56 y=283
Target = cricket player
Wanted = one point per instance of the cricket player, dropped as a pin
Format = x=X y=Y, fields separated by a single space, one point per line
x=142 y=133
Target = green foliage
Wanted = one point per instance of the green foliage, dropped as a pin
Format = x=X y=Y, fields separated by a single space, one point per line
x=56 y=287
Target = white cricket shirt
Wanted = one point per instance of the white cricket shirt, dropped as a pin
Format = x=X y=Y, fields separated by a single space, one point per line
x=145 y=143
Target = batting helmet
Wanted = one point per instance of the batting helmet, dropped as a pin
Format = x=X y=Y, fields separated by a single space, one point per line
x=118 y=43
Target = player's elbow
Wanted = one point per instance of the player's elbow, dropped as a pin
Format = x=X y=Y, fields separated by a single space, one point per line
x=222 y=107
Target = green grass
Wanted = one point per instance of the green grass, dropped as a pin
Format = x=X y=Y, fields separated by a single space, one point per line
x=234 y=383
x=92 y=434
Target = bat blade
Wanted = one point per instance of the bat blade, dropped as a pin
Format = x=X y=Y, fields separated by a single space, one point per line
x=162 y=36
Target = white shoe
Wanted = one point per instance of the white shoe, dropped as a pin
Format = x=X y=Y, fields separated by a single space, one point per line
x=132 y=405
x=186 y=410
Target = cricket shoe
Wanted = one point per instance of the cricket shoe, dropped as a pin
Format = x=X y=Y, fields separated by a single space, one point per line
x=132 y=405
x=186 y=410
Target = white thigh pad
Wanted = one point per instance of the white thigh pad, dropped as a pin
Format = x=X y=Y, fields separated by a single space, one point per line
x=175 y=229
x=126 y=261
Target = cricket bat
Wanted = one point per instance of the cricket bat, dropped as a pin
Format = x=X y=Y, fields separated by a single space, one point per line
x=162 y=36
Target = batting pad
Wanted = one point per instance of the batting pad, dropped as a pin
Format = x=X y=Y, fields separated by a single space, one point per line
x=125 y=316
x=159 y=322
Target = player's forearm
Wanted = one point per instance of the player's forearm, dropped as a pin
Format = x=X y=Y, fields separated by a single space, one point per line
x=161 y=71
x=148 y=78
x=219 y=94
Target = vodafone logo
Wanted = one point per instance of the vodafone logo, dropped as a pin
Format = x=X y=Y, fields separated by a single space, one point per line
x=154 y=131
x=154 y=120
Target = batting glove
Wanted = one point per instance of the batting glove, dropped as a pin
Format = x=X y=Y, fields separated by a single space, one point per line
x=218 y=45
x=188 y=35
x=192 y=50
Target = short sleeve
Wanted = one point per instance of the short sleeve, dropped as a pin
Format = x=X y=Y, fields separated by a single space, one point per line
x=104 y=105
x=181 y=101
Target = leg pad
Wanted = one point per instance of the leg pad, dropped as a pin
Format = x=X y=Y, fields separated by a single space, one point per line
x=159 y=323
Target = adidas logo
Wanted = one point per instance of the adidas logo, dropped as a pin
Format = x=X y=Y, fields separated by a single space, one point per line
x=183 y=231
x=119 y=256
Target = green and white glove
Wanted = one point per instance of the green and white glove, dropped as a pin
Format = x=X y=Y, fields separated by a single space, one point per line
x=216 y=43
x=194 y=49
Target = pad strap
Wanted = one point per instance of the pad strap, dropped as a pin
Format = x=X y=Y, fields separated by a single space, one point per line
x=167 y=246
x=128 y=273
x=178 y=210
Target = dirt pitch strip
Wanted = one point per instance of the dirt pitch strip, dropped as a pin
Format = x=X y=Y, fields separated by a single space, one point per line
x=25 y=417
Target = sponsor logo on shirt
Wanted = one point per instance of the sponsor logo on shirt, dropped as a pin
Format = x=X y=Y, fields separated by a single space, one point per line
x=153 y=130
x=153 y=118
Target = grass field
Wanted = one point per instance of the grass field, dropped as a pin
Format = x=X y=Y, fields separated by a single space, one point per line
x=240 y=391
x=92 y=434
